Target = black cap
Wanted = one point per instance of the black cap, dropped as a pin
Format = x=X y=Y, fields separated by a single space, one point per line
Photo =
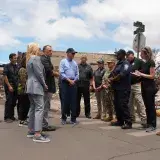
x=121 y=51
x=130 y=52
x=71 y=50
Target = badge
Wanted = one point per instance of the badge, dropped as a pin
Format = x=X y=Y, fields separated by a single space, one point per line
x=126 y=66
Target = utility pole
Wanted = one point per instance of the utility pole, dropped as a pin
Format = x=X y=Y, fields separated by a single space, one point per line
x=140 y=29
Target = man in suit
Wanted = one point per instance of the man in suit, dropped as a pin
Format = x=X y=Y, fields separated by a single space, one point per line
x=35 y=89
x=50 y=75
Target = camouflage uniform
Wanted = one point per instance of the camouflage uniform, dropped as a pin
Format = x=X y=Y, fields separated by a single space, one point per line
x=108 y=96
x=22 y=74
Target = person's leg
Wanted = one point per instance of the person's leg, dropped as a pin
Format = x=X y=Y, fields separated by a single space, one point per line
x=46 y=109
x=131 y=105
x=87 y=104
x=21 y=103
x=39 y=114
x=117 y=106
x=148 y=95
x=99 y=105
x=109 y=106
x=8 y=106
x=14 y=103
x=31 y=118
x=47 y=103
x=124 y=99
x=24 y=106
x=73 y=102
x=79 y=95
x=65 y=101
x=104 y=103
x=139 y=102
x=27 y=106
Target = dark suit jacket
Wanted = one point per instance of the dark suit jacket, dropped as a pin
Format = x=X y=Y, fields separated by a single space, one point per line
x=50 y=80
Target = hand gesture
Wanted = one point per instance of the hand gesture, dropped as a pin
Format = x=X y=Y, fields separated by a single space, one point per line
x=10 y=88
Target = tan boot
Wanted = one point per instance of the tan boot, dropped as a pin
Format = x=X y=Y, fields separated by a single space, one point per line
x=97 y=117
x=108 y=119
x=158 y=133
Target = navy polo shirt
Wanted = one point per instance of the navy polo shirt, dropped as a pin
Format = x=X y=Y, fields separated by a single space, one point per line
x=122 y=68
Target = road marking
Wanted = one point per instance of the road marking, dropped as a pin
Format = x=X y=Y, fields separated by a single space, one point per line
x=93 y=122
x=109 y=128
x=143 y=133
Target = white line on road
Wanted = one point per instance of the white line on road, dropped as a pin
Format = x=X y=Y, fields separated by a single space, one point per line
x=93 y=122
x=143 y=133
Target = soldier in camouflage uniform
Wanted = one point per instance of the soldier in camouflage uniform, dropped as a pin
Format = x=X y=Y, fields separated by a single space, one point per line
x=23 y=100
x=108 y=96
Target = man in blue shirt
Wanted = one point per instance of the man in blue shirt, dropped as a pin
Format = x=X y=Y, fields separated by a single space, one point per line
x=69 y=75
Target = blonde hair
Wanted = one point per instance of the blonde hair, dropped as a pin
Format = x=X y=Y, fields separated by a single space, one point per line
x=32 y=49
x=148 y=52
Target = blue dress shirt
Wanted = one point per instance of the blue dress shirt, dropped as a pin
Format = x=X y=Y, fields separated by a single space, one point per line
x=69 y=69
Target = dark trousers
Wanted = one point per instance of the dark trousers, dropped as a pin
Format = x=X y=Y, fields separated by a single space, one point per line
x=83 y=91
x=148 y=95
x=69 y=100
x=11 y=99
x=121 y=99
x=24 y=105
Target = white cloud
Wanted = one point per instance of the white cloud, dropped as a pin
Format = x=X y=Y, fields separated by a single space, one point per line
x=47 y=21
x=7 y=40
x=124 y=12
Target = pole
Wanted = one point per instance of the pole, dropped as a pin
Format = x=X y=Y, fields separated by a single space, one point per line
x=138 y=48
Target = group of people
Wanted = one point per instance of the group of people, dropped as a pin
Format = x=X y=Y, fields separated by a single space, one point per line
x=125 y=84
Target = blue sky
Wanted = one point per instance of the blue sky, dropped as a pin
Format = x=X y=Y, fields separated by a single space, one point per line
x=86 y=25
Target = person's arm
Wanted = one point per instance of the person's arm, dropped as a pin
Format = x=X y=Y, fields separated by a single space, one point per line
x=151 y=74
x=77 y=73
x=47 y=65
x=5 y=77
x=91 y=76
x=94 y=84
x=61 y=71
x=38 y=70
x=124 y=71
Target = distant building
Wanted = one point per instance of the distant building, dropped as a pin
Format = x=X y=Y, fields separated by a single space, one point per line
x=92 y=57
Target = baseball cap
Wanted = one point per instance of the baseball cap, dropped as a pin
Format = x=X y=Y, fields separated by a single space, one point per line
x=71 y=50
x=130 y=52
x=111 y=60
x=121 y=51
x=101 y=61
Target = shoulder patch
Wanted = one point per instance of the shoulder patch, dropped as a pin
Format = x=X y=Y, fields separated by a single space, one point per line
x=126 y=66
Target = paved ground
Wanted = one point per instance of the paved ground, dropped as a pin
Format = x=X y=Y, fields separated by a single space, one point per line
x=90 y=140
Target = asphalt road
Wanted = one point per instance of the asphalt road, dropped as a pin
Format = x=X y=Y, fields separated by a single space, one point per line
x=90 y=140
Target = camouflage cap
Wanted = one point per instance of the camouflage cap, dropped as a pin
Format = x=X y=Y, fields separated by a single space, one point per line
x=101 y=61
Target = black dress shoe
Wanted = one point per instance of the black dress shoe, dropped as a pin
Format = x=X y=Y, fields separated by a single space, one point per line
x=49 y=128
x=116 y=124
x=88 y=116
x=127 y=126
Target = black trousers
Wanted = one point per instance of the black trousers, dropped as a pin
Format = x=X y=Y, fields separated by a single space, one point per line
x=121 y=100
x=148 y=95
x=60 y=97
x=24 y=105
x=69 y=100
x=83 y=91
x=11 y=99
